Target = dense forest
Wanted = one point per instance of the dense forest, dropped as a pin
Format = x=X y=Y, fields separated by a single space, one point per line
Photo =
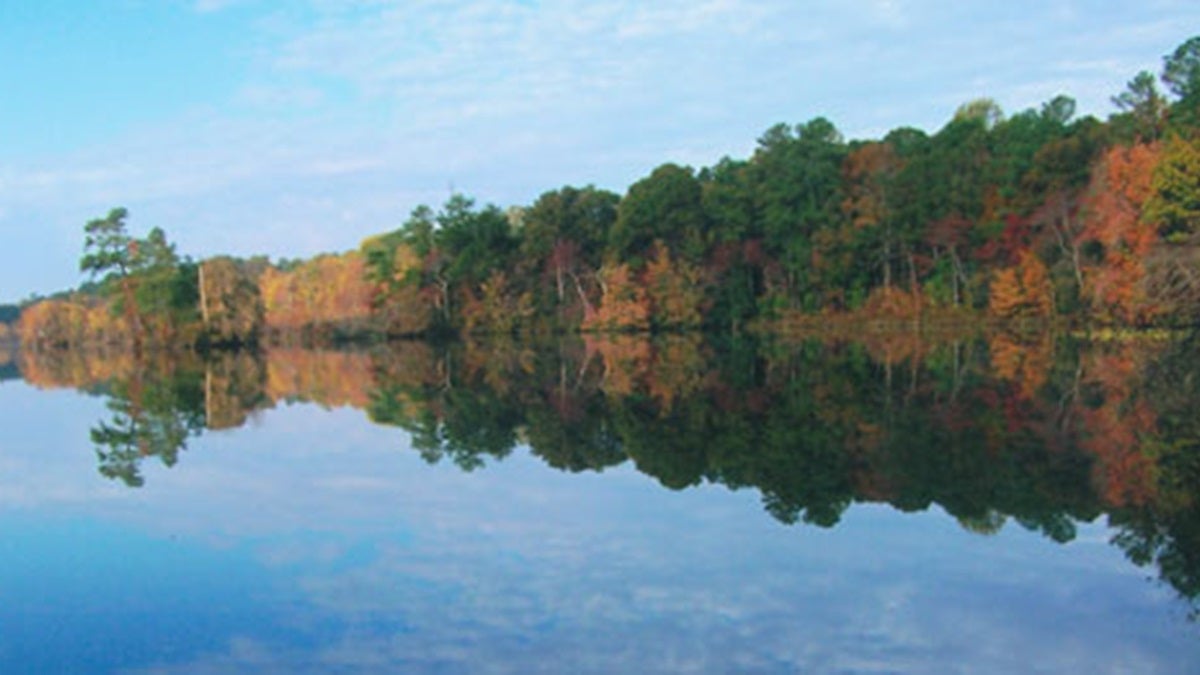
x=1035 y=217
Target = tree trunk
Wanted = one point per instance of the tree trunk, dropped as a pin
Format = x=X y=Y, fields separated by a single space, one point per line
x=588 y=310
x=955 y=275
x=887 y=263
x=203 y=297
x=131 y=315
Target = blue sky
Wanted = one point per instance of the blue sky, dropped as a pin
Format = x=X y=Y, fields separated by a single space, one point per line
x=249 y=126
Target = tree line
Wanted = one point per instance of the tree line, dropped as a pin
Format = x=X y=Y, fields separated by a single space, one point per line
x=1038 y=216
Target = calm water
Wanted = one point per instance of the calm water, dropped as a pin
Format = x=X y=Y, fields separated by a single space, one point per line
x=626 y=505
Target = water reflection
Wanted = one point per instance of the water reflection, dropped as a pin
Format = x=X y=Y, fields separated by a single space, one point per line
x=8 y=362
x=1044 y=433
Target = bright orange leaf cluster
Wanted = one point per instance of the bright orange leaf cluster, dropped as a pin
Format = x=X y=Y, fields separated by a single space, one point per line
x=1119 y=189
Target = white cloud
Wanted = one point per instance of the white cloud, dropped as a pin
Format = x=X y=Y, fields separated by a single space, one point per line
x=275 y=96
x=360 y=109
x=206 y=6
x=889 y=12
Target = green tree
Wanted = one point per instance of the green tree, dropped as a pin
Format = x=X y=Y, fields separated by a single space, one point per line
x=1174 y=203
x=798 y=192
x=956 y=188
x=108 y=248
x=735 y=262
x=1181 y=75
x=447 y=253
x=475 y=242
x=108 y=254
x=983 y=110
x=1015 y=143
x=154 y=412
x=666 y=206
x=1143 y=106
x=1059 y=109
x=144 y=276
x=167 y=289
x=909 y=190
x=562 y=241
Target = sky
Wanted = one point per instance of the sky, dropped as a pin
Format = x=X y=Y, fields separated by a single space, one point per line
x=292 y=128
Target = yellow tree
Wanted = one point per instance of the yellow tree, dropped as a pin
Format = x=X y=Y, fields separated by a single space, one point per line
x=675 y=289
x=623 y=302
x=1174 y=201
x=231 y=306
x=1022 y=291
x=325 y=292
x=496 y=309
x=1173 y=280
x=400 y=305
x=52 y=323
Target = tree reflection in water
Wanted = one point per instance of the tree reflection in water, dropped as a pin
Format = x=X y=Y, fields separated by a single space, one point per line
x=154 y=412
x=1045 y=433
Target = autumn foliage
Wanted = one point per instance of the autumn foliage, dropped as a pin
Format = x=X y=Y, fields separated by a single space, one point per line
x=1120 y=187
x=624 y=305
x=1022 y=291
x=326 y=293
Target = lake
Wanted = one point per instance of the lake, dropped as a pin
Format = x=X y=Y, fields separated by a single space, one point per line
x=1021 y=503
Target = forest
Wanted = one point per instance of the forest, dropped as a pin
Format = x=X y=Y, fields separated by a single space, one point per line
x=1026 y=219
